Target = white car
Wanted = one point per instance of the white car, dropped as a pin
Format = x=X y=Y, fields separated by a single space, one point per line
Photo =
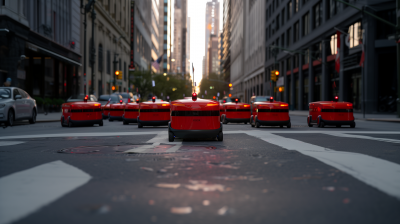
x=15 y=105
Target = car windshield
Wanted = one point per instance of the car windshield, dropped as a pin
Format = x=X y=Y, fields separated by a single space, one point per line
x=125 y=95
x=5 y=93
x=261 y=98
x=104 y=97
x=229 y=100
x=79 y=97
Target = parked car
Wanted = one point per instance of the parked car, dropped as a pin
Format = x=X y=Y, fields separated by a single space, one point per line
x=16 y=105
x=126 y=97
x=114 y=98
x=81 y=97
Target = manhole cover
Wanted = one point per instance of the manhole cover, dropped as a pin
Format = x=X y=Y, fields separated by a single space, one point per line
x=100 y=149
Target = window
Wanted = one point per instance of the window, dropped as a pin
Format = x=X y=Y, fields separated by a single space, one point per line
x=333 y=45
x=296 y=6
x=305 y=1
x=165 y=36
x=125 y=75
x=332 y=8
x=283 y=39
x=289 y=8
x=289 y=64
x=165 y=9
x=283 y=17
x=108 y=62
x=306 y=24
x=317 y=14
x=288 y=35
x=355 y=34
x=269 y=28
x=100 y=64
x=296 y=32
x=120 y=64
x=277 y=23
x=165 y=46
x=266 y=34
x=165 y=18
x=306 y=57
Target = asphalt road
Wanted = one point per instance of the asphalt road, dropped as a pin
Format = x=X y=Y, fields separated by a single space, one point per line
x=121 y=174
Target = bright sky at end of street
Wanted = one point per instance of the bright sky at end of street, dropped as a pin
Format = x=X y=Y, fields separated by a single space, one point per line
x=197 y=13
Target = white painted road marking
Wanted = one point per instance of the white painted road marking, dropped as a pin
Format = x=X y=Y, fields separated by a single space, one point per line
x=381 y=174
x=363 y=137
x=161 y=137
x=99 y=134
x=8 y=143
x=25 y=192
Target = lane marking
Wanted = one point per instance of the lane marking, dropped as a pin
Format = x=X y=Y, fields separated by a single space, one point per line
x=99 y=134
x=363 y=137
x=25 y=192
x=161 y=137
x=8 y=143
x=381 y=174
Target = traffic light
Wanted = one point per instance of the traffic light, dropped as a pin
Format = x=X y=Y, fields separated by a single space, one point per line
x=113 y=88
x=230 y=85
x=281 y=89
x=213 y=97
x=118 y=74
x=230 y=95
x=274 y=74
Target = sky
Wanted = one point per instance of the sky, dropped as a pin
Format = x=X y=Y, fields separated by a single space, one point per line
x=197 y=13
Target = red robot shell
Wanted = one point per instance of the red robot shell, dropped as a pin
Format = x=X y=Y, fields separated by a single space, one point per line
x=131 y=113
x=236 y=113
x=153 y=114
x=81 y=113
x=195 y=119
x=116 y=111
x=332 y=113
x=270 y=113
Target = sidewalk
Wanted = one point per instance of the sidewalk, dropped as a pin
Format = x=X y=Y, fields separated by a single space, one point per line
x=357 y=116
x=50 y=117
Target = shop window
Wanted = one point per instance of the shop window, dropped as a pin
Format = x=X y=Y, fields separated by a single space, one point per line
x=306 y=56
x=333 y=45
x=355 y=34
x=288 y=64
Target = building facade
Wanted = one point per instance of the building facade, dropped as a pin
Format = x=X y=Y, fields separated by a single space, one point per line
x=226 y=39
x=165 y=30
x=211 y=28
x=302 y=43
x=40 y=46
x=212 y=65
x=178 y=63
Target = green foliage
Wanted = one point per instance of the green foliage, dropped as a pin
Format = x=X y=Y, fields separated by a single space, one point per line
x=217 y=82
x=163 y=84
x=39 y=100
x=58 y=102
x=48 y=101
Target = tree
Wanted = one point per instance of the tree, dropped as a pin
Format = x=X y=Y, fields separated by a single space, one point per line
x=213 y=84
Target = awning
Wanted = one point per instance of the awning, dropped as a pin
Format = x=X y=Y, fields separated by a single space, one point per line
x=36 y=48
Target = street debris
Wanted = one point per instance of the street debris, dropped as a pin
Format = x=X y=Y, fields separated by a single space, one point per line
x=166 y=185
x=202 y=185
x=206 y=202
x=329 y=188
x=225 y=210
x=147 y=169
x=181 y=210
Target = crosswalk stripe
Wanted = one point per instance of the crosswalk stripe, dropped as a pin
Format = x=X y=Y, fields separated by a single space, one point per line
x=381 y=174
x=8 y=143
x=25 y=192
x=343 y=135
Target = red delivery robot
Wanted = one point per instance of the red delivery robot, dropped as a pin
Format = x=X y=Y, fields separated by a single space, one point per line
x=153 y=113
x=270 y=113
x=236 y=112
x=116 y=111
x=106 y=111
x=195 y=118
x=331 y=113
x=81 y=113
x=131 y=112
x=221 y=111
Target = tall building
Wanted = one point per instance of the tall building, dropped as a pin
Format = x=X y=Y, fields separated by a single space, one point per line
x=154 y=30
x=212 y=65
x=308 y=45
x=165 y=33
x=178 y=63
x=188 y=46
x=226 y=35
x=236 y=50
x=220 y=52
x=111 y=49
x=40 y=47
x=211 y=26
x=253 y=49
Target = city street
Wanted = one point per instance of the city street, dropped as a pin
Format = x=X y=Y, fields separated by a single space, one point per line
x=121 y=174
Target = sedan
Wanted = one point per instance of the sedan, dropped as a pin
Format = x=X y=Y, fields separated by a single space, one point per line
x=16 y=105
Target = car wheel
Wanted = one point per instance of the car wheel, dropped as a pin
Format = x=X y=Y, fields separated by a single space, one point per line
x=281 y=126
x=220 y=136
x=338 y=126
x=101 y=123
x=353 y=125
x=224 y=121
x=289 y=125
x=10 y=120
x=139 y=125
x=70 y=123
x=33 y=119
x=110 y=120
x=258 y=125
x=62 y=123
x=322 y=124
x=245 y=122
x=171 y=137
x=125 y=123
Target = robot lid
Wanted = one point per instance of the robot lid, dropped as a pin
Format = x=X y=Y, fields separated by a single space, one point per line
x=82 y=105
x=195 y=104
x=322 y=105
